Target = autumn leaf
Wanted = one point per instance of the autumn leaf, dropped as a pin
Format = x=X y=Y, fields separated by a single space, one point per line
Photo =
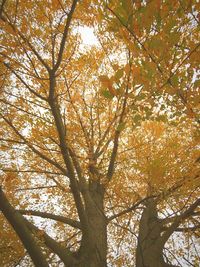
x=99 y=135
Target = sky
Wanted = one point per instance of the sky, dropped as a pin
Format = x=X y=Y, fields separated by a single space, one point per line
x=88 y=36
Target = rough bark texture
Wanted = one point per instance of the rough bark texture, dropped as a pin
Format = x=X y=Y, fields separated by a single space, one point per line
x=93 y=250
x=150 y=247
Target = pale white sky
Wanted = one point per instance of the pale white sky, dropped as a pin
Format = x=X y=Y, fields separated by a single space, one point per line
x=88 y=36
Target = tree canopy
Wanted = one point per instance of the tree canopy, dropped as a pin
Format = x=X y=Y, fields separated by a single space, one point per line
x=99 y=143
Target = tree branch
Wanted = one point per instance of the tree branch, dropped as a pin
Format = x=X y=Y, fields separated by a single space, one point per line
x=34 y=149
x=65 y=34
x=129 y=209
x=23 y=82
x=17 y=222
x=1 y=7
x=172 y=228
x=65 y=254
x=71 y=222
x=188 y=229
x=65 y=151
x=116 y=137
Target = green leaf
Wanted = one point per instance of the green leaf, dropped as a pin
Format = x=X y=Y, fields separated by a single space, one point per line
x=107 y=94
x=170 y=25
x=158 y=19
x=148 y=114
x=174 y=80
x=137 y=118
x=119 y=74
x=174 y=38
x=197 y=83
x=162 y=118
x=162 y=107
x=121 y=127
x=155 y=43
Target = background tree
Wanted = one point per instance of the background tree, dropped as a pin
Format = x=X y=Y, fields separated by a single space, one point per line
x=74 y=149
x=164 y=171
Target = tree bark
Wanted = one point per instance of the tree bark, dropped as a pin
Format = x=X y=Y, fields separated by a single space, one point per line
x=17 y=222
x=93 y=249
x=149 y=252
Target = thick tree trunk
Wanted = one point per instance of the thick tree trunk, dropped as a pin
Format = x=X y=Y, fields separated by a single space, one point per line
x=149 y=252
x=93 y=251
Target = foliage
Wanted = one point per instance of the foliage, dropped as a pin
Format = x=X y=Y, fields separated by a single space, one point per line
x=94 y=138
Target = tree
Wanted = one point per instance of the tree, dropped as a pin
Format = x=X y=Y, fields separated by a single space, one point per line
x=72 y=133
x=165 y=171
x=11 y=250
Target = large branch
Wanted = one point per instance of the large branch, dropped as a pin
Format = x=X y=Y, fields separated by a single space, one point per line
x=65 y=34
x=113 y=157
x=17 y=222
x=53 y=102
x=65 y=254
x=188 y=229
x=71 y=222
x=180 y=218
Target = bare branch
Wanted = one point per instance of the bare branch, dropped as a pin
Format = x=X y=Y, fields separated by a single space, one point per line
x=188 y=229
x=51 y=216
x=55 y=109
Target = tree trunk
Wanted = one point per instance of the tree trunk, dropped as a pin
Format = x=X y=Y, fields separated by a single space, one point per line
x=149 y=252
x=93 y=250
